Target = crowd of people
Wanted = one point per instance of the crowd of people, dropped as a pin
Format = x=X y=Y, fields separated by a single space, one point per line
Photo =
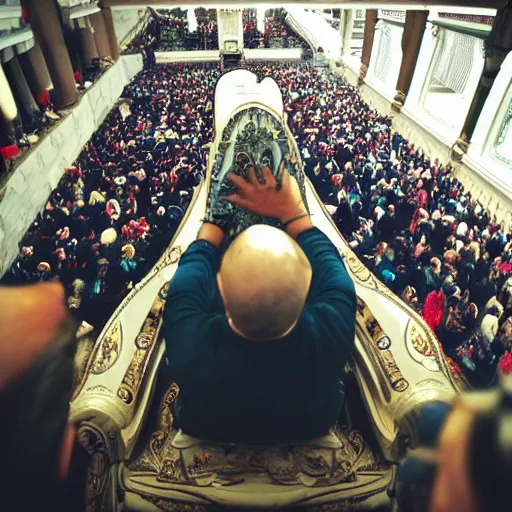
x=175 y=34
x=405 y=216
x=408 y=219
x=113 y=213
x=253 y=38
x=178 y=35
x=277 y=34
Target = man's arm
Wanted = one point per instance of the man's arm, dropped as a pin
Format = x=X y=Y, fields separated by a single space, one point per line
x=211 y=233
x=330 y=278
x=191 y=292
x=332 y=297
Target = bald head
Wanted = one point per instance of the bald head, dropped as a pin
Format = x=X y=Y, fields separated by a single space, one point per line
x=264 y=281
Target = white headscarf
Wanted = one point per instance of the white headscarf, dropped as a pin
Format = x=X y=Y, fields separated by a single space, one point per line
x=462 y=229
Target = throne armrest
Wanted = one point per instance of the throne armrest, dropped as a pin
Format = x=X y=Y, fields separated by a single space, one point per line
x=114 y=395
x=394 y=384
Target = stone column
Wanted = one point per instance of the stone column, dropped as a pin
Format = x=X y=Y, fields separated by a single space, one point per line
x=74 y=45
x=100 y=35
x=89 y=50
x=35 y=70
x=44 y=19
x=415 y=23
x=21 y=90
x=111 y=32
x=498 y=45
x=347 y=31
x=8 y=115
x=342 y=31
x=369 y=36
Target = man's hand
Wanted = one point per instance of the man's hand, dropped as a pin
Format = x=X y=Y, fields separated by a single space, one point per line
x=265 y=199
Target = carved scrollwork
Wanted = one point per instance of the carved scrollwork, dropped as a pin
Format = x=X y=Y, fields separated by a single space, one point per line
x=165 y=423
x=358 y=270
x=169 y=506
x=108 y=349
x=322 y=462
x=99 y=389
x=144 y=343
x=171 y=257
x=420 y=341
x=94 y=443
x=381 y=347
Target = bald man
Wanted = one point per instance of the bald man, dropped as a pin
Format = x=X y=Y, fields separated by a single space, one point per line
x=258 y=342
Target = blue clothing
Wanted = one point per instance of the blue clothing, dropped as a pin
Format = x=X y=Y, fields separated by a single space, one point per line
x=240 y=391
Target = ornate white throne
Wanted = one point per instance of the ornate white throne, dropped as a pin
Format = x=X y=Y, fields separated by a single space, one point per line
x=122 y=403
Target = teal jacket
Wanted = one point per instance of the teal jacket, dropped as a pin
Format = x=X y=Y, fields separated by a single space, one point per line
x=239 y=391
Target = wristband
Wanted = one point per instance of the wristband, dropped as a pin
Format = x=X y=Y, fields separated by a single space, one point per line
x=293 y=219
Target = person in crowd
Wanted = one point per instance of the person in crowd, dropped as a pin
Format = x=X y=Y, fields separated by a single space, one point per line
x=260 y=362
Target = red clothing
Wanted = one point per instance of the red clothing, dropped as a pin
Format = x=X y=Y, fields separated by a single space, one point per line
x=505 y=364
x=43 y=99
x=433 y=309
x=9 y=152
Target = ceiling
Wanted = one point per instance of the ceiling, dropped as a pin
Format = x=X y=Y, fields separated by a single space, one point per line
x=409 y=4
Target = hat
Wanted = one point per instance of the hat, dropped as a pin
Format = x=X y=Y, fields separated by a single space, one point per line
x=79 y=285
x=27 y=251
x=128 y=251
x=96 y=197
x=120 y=180
x=109 y=236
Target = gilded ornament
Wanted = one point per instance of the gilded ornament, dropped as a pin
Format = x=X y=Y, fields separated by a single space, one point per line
x=360 y=272
x=99 y=389
x=384 y=356
x=108 y=349
x=173 y=256
x=144 y=343
x=94 y=443
x=165 y=423
x=420 y=342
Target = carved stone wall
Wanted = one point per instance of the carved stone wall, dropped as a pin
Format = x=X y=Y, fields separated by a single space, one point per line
x=125 y=20
x=28 y=189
